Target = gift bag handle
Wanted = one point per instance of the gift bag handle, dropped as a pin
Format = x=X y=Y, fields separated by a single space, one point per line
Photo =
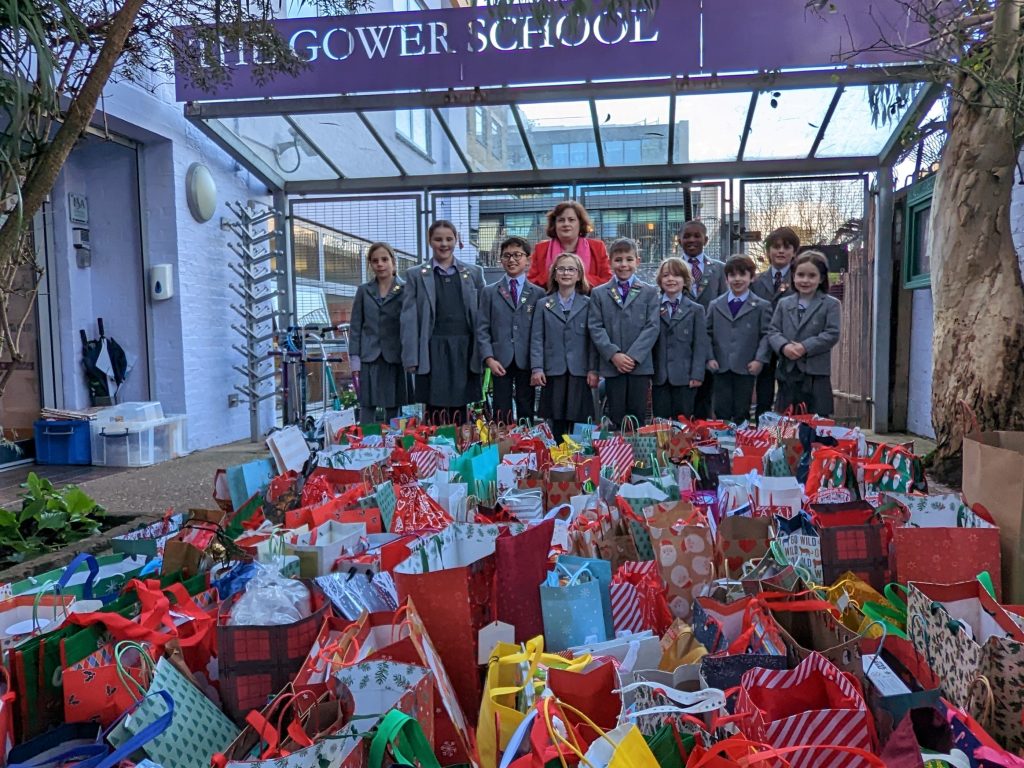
x=398 y=724
x=72 y=567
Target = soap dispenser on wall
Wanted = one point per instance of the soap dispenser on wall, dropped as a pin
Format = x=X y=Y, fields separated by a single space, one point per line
x=161 y=282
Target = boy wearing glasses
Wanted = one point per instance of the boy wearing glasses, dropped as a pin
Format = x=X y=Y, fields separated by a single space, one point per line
x=503 y=335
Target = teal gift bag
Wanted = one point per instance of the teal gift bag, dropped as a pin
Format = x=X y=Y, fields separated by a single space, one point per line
x=601 y=570
x=571 y=607
x=478 y=467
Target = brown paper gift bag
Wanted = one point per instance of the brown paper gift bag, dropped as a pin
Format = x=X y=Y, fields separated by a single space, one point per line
x=684 y=551
x=679 y=647
x=994 y=480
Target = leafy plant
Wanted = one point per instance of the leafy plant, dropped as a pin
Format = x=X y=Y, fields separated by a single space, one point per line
x=48 y=520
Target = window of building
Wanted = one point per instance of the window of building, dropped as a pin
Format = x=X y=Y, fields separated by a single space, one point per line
x=480 y=126
x=916 y=258
x=413 y=126
x=496 y=138
x=410 y=5
x=306 y=249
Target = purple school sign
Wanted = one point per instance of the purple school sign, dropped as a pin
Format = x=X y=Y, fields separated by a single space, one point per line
x=467 y=47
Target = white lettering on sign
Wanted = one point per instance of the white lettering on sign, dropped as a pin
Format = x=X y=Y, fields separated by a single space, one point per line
x=413 y=40
x=380 y=44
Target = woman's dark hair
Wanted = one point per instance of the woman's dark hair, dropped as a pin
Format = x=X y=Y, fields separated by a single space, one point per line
x=818 y=259
x=581 y=213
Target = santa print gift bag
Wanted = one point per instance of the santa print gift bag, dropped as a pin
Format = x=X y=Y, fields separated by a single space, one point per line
x=815 y=703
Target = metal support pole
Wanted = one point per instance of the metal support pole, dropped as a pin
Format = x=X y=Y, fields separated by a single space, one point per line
x=881 y=321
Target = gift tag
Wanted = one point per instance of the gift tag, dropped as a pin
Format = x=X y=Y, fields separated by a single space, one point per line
x=492 y=634
x=843 y=602
x=560 y=536
x=882 y=677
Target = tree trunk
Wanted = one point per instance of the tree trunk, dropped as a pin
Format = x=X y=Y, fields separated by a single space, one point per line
x=978 y=299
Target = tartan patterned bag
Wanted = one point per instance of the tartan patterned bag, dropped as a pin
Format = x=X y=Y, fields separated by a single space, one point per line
x=853 y=538
x=257 y=661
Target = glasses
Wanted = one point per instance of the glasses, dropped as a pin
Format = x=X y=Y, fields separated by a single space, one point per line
x=513 y=256
x=566 y=270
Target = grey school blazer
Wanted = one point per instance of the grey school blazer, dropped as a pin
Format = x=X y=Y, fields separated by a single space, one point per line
x=418 y=312
x=712 y=282
x=559 y=346
x=764 y=286
x=504 y=330
x=629 y=326
x=818 y=331
x=682 y=348
x=375 y=329
x=735 y=341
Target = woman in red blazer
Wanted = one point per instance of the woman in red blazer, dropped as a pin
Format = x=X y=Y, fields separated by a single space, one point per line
x=568 y=225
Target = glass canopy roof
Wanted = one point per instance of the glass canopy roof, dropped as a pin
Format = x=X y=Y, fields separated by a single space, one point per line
x=324 y=145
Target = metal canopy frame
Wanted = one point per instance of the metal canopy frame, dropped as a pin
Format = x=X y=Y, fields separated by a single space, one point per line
x=208 y=116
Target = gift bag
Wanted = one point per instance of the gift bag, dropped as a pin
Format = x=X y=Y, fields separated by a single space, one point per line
x=942 y=536
x=96 y=689
x=617 y=454
x=905 y=476
x=522 y=563
x=800 y=543
x=415 y=510
x=993 y=465
x=451 y=575
x=514 y=680
x=255 y=661
x=638 y=599
x=477 y=466
x=680 y=647
x=779 y=492
x=600 y=571
x=853 y=538
x=739 y=540
x=965 y=634
x=319 y=548
x=813 y=704
x=148 y=541
x=197 y=729
x=571 y=604
x=685 y=557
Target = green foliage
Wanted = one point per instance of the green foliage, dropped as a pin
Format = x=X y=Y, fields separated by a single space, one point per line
x=48 y=520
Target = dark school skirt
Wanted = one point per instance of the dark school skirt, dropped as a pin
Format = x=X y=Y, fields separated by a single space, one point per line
x=450 y=383
x=383 y=385
x=567 y=398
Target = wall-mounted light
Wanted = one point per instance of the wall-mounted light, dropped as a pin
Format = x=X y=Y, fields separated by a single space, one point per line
x=200 y=192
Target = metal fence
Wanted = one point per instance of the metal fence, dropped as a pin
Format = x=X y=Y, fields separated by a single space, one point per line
x=827 y=211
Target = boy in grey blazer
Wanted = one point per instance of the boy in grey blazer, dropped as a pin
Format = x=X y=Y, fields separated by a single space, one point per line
x=708 y=284
x=738 y=326
x=624 y=326
x=503 y=335
x=804 y=328
x=771 y=285
x=682 y=349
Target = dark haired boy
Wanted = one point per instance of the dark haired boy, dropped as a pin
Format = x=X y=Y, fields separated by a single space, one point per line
x=738 y=326
x=708 y=284
x=623 y=325
x=503 y=335
x=771 y=285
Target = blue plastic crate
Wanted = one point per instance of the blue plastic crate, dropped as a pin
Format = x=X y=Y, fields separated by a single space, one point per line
x=63 y=442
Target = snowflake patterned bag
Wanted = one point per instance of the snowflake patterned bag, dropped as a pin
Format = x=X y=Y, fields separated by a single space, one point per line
x=965 y=635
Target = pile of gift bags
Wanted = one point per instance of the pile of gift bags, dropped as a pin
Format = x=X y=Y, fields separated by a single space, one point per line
x=673 y=594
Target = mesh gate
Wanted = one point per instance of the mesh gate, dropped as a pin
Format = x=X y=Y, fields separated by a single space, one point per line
x=827 y=211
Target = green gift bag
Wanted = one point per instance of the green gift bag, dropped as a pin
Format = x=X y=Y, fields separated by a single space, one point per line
x=384 y=500
x=198 y=728
x=36 y=666
x=478 y=467
x=670 y=746
x=85 y=577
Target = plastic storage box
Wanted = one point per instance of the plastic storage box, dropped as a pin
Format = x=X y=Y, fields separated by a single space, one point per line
x=62 y=442
x=136 y=435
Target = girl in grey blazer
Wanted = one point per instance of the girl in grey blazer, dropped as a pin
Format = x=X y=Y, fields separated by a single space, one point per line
x=439 y=320
x=803 y=330
x=374 y=343
x=562 y=357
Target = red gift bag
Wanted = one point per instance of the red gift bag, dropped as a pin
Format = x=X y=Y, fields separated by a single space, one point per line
x=327 y=509
x=522 y=564
x=813 y=704
x=616 y=452
x=592 y=691
x=638 y=599
x=95 y=691
x=415 y=510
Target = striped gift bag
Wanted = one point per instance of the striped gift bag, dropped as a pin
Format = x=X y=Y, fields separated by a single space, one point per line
x=814 y=704
x=638 y=599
